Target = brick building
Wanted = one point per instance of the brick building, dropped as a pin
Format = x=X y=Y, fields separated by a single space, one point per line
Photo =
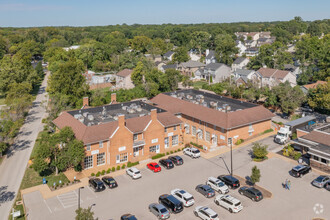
x=212 y=120
x=118 y=133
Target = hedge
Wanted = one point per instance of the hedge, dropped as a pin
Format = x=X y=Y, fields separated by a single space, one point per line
x=157 y=156
x=196 y=145
x=267 y=131
x=130 y=164
x=238 y=142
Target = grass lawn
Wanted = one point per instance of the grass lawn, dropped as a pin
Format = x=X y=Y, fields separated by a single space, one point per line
x=199 y=84
x=294 y=117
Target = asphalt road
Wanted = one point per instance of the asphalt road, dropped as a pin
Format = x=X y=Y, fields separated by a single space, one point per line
x=13 y=167
x=134 y=196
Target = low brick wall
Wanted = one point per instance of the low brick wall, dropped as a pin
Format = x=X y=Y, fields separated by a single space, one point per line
x=320 y=166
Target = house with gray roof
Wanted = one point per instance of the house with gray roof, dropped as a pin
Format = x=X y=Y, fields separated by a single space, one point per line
x=168 y=55
x=210 y=56
x=217 y=71
x=190 y=67
x=169 y=66
x=242 y=76
x=240 y=63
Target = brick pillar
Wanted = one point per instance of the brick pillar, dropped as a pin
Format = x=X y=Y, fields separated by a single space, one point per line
x=121 y=120
x=113 y=98
x=153 y=114
x=85 y=101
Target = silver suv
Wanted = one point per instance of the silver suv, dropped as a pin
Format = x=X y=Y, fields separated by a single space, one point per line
x=217 y=185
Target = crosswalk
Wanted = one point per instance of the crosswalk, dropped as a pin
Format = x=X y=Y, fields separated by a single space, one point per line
x=68 y=199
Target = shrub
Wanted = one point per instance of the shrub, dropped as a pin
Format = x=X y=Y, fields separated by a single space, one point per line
x=118 y=167
x=238 y=142
x=179 y=150
x=157 y=156
x=113 y=169
x=123 y=166
x=103 y=172
x=167 y=153
x=171 y=152
x=294 y=136
x=196 y=145
x=93 y=174
x=98 y=174
x=259 y=150
x=255 y=175
x=267 y=131
x=175 y=151
x=297 y=155
x=78 y=168
x=130 y=164
x=108 y=170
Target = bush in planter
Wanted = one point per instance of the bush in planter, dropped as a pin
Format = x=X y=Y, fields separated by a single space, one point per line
x=259 y=150
x=175 y=151
x=123 y=167
x=171 y=152
x=118 y=167
x=297 y=155
x=113 y=169
x=103 y=172
x=108 y=170
x=179 y=150
x=78 y=168
x=98 y=174
x=167 y=153
x=157 y=156
x=238 y=142
x=93 y=174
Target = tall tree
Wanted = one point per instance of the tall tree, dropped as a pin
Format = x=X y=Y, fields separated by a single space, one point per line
x=85 y=214
x=200 y=40
x=180 y=55
x=225 y=48
x=140 y=43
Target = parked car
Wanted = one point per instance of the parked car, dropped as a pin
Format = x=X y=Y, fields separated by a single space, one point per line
x=205 y=213
x=110 y=181
x=251 y=193
x=177 y=160
x=134 y=173
x=128 y=217
x=217 y=185
x=192 y=152
x=186 y=198
x=96 y=184
x=154 y=167
x=171 y=203
x=230 y=181
x=168 y=164
x=159 y=211
x=300 y=170
x=229 y=202
x=320 y=181
x=206 y=190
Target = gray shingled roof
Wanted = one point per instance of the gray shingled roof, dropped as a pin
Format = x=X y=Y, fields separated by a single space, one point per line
x=170 y=66
x=192 y=64
x=210 y=55
x=239 y=60
x=168 y=54
x=243 y=72
x=213 y=66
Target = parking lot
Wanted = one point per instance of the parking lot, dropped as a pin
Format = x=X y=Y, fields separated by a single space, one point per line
x=134 y=196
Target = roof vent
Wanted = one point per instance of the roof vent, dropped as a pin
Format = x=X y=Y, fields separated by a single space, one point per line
x=85 y=114
x=90 y=117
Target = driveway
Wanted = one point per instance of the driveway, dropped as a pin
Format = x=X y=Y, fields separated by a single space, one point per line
x=13 y=167
x=134 y=196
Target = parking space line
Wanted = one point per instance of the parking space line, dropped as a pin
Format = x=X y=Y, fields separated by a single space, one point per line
x=92 y=192
x=77 y=195
x=48 y=207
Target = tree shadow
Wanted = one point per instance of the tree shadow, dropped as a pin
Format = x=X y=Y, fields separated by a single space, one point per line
x=6 y=196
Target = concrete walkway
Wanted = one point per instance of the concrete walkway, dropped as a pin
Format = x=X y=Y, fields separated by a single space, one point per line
x=13 y=167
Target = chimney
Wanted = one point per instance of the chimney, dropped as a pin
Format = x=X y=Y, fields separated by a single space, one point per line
x=121 y=120
x=113 y=98
x=153 y=114
x=85 y=101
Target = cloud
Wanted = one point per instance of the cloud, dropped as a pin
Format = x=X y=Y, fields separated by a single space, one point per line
x=30 y=7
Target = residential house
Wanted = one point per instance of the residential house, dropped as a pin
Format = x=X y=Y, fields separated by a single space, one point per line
x=240 y=63
x=272 y=77
x=212 y=120
x=210 y=56
x=163 y=68
x=315 y=141
x=263 y=41
x=190 y=67
x=250 y=43
x=168 y=55
x=242 y=76
x=217 y=71
x=194 y=55
x=118 y=133
x=307 y=87
x=241 y=47
x=252 y=51
x=124 y=79
x=292 y=68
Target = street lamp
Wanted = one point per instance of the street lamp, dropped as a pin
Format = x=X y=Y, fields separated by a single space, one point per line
x=79 y=196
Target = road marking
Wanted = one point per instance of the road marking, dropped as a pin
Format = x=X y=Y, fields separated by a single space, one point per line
x=68 y=199
x=77 y=196
x=92 y=192
x=48 y=207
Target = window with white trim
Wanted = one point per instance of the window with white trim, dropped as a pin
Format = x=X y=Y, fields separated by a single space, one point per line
x=101 y=144
x=175 y=140
x=152 y=149
x=165 y=129
x=123 y=158
x=193 y=131
x=187 y=129
x=207 y=136
x=135 y=137
x=200 y=134
x=100 y=159
x=88 y=147
x=88 y=162
x=166 y=140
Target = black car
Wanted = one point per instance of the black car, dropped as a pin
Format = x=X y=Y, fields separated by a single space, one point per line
x=168 y=164
x=251 y=193
x=96 y=184
x=171 y=203
x=177 y=160
x=300 y=170
x=205 y=190
x=230 y=181
x=110 y=181
x=128 y=217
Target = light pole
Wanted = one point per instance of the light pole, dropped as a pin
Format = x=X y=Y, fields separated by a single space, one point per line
x=231 y=155
x=79 y=196
x=225 y=164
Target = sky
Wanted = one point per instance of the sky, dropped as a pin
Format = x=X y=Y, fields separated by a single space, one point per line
x=32 y=13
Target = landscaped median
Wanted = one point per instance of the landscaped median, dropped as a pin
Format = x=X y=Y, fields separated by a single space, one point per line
x=244 y=182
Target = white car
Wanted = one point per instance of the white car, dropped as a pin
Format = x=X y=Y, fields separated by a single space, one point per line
x=205 y=213
x=229 y=202
x=186 y=198
x=192 y=152
x=134 y=173
x=217 y=185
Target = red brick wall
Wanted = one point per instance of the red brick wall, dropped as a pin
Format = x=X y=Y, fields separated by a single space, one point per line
x=301 y=133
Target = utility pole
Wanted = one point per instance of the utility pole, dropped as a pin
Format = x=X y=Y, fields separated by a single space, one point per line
x=230 y=142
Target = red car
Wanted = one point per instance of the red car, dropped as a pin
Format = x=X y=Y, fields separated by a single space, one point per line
x=154 y=167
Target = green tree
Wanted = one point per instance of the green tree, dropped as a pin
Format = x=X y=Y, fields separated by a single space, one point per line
x=138 y=73
x=200 y=40
x=255 y=175
x=140 y=43
x=85 y=214
x=39 y=70
x=225 y=48
x=180 y=55
x=319 y=98
x=259 y=150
